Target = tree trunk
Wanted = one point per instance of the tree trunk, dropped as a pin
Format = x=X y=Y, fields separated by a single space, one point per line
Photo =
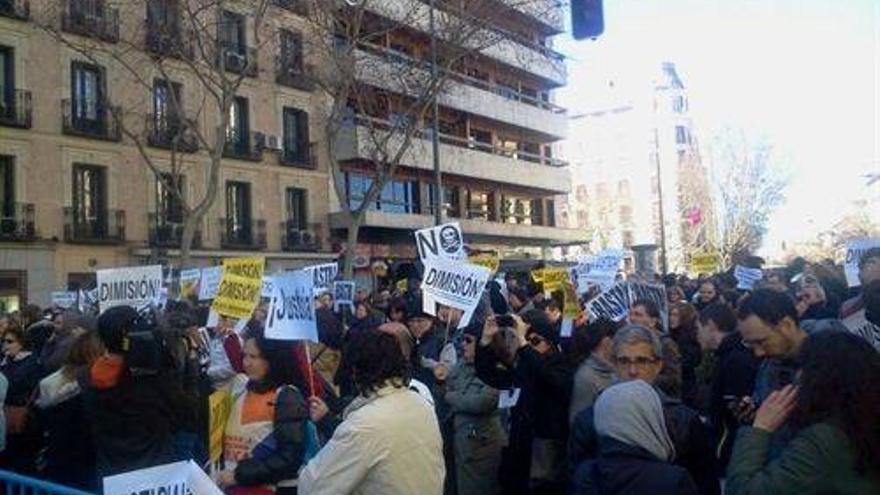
x=354 y=227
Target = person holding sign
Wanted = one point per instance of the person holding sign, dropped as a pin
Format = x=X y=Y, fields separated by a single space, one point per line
x=265 y=437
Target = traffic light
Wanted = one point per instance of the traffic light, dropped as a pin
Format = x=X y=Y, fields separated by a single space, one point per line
x=587 y=19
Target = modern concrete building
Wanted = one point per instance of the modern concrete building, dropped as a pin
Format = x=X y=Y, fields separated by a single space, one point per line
x=634 y=152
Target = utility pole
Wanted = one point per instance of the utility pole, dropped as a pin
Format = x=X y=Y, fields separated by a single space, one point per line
x=435 y=127
x=662 y=217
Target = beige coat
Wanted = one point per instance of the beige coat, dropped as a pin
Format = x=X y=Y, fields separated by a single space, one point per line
x=388 y=444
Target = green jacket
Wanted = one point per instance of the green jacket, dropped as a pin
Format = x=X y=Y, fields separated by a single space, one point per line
x=818 y=460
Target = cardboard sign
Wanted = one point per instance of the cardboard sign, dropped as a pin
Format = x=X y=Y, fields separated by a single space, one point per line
x=488 y=260
x=185 y=477
x=600 y=269
x=455 y=284
x=705 y=263
x=612 y=304
x=245 y=267
x=292 y=310
x=237 y=296
x=553 y=278
x=444 y=241
x=209 y=282
x=64 y=299
x=189 y=283
x=343 y=294
x=854 y=250
x=746 y=278
x=323 y=275
x=220 y=405
x=134 y=286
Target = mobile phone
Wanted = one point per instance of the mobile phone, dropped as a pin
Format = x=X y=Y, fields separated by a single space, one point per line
x=505 y=321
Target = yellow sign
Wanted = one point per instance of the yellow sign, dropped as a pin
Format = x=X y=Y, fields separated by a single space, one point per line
x=488 y=260
x=572 y=307
x=552 y=278
x=705 y=263
x=245 y=267
x=401 y=285
x=220 y=404
x=237 y=296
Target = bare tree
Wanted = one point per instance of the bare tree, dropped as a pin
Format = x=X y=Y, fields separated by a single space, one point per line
x=695 y=199
x=385 y=97
x=750 y=187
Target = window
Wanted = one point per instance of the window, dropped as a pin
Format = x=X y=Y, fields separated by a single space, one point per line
x=679 y=104
x=450 y=200
x=90 y=198
x=481 y=137
x=681 y=134
x=237 y=130
x=7 y=81
x=162 y=16
x=169 y=208
x=291 y=52
x=238 y=211
x=231 y=32
x=516 y=210
x=551 y=213
x=358 y=186
x=479 y=205
x=296 y=135
x=167 y=104
x=626 y=213
x=297 y=208
x=396 y=197
x=89 y=9
x=87 y=92
x=7 y=190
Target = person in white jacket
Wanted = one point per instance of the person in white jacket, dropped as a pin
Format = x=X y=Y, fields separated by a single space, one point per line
x=389 y=440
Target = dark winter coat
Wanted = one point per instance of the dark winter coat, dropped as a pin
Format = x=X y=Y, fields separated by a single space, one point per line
x=23 y=374
x=623 y=469
x=734 y=376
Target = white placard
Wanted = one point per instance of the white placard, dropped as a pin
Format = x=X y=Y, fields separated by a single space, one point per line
x=343 y=294
x=134 y=286
x=268 y=286
x=854 y=250
x=292 y=309
x=323 y=275
x=612 y=304
x=600 y=269
x=455 y=284
x=443 y=241
x=210 y=282
x=746 y=278
x=508 y=398
x=180 y=477
x=64 y=299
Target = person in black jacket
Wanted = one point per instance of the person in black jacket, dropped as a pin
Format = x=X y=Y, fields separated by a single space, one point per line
x=264 y=440
x=134 y=401
x=23 y=371
x=732 y=375
x=534 y=461
x=635 y=447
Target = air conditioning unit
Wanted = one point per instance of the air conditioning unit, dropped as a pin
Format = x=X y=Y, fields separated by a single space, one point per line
x=274 y=142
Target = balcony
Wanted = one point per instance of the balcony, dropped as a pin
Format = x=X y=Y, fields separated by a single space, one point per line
x=238 y=59
x=168 y=235
x=300 y=7
x=244 y=145
x=172 y=133
x=82 y=20
x=168 y=41
x=105 y=229
x=18 y=224
x=16 y=111
x=15 y=9
x=91 y=120
x=381 y=67
x=292 y=75
x=307 y=160
x=296 y=239
x=461 y=156
x=247 y=236
x=547 y=13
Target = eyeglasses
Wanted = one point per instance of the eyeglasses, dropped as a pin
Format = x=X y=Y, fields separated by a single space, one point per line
x=639 y=362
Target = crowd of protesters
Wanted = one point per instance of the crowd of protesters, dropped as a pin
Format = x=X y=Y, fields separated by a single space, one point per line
x=768 y=391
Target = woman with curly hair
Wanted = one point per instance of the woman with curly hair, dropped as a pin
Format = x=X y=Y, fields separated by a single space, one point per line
x=837 y=449
x=389 y=441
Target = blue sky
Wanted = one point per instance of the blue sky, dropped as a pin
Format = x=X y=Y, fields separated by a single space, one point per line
x=804 y=73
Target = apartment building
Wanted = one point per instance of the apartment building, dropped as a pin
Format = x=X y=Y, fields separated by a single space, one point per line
x=498 y=136
x=76 y=193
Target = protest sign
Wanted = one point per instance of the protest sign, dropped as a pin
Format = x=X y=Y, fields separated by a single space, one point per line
x=64 y=299
x=343 y=294
x=600 y=269
x=553 y=279
x=746 y=278
x=508 y=398
x=268 y=286
x=237 y=296
x=571 y=309
x=185 y=477
x=134 y=286
x=291 y=310
x=209 y=282
x=220 y=405
x=455 y=284
x=855 y=248
x=245 y=267
x=442 y=241
x=705 y=263
x=612 y=304
x=189 y=283
x=323 y=275
x=488 y=260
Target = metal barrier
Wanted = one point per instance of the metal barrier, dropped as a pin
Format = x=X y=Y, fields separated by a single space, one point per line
x=16 y=484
